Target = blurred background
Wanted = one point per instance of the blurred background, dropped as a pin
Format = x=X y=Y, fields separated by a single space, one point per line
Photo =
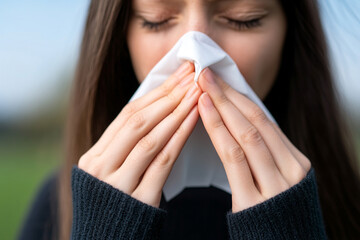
x=39 y=46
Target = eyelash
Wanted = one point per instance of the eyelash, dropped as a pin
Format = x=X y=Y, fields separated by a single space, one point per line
x=244 y=25
x=155 y=26
x=240 y=25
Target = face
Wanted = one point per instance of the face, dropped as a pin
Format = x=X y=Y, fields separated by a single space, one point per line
x=252 y=32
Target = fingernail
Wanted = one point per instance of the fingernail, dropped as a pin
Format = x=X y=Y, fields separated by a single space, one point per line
x=191 y=91
x=208 y=75
x=187 y=80
x=205 y=99
x=182 y=69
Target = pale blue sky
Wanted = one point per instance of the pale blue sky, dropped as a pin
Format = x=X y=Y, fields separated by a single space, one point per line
x=40 y=39
x=341 y=19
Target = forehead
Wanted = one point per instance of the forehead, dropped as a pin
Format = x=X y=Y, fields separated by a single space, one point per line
x=193 y=1
x=140 y=3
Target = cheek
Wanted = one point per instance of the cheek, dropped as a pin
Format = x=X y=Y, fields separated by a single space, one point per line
x=258 y=58
x=144 y=53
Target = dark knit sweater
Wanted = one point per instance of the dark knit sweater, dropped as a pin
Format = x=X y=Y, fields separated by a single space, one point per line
x=103 y=212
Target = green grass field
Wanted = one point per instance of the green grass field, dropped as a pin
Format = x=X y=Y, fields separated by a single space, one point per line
x=23 y=166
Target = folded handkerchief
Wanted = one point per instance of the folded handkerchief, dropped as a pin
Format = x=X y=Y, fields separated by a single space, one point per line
x=198 y=164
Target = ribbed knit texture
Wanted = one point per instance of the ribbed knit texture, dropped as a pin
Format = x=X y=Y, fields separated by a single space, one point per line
x=293 y=214
x=102 y=212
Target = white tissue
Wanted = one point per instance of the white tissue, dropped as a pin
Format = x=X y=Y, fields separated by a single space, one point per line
x=198 y=164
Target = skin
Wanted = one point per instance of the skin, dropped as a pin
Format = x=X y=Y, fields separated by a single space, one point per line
x=259 y=160
x=256 y=50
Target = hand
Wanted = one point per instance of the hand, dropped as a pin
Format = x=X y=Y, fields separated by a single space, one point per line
x=138 y=149
x=260 y=162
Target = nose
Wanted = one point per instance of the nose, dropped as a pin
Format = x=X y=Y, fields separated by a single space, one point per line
x=197 y=18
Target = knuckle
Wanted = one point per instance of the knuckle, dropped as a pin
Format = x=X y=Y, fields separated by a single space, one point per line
x=136 y=121
x=299 y=174
x=162 y=160
x=147 y=143
x=171 y=96
x=222 y=100
x=217 y=124
x=307 y=164
x=224 y=86
x=129 y=109
x=251 y=136
x=94 y=169
x=296 y=173
x=83 y=161
x=180 y=131
x=235 y=154
x=177 y=112
x=95 y=151
x=166 y=87
x=87 y=159
x=258 y=116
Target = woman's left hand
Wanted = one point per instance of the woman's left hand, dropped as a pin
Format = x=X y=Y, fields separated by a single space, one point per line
x=260 y=162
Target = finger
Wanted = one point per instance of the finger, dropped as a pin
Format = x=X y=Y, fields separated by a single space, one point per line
x=260 y=160
x=184 y=70
x=290 y=163
x=153 y=180
x=140 y=123
x=244 y=191
x=303 y=160
x=149 y=146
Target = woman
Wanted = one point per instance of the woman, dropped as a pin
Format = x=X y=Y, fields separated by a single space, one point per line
x=279 y=47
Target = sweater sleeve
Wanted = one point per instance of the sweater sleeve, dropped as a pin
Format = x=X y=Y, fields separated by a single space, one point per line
x=101 y=211
x=292 y=214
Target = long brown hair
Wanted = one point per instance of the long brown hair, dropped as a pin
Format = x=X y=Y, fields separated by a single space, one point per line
x=303 y=101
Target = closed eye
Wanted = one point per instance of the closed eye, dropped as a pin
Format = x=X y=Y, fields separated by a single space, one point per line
x=243 y=25
x=155 y=25
x=238 y=24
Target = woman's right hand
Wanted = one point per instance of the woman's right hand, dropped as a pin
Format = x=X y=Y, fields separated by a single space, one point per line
x=136 y=152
